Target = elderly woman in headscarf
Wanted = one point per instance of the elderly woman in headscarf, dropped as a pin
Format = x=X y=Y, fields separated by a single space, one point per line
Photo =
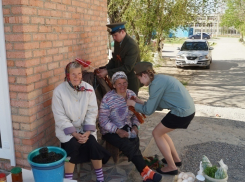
x=119 y=126
x=75 y=110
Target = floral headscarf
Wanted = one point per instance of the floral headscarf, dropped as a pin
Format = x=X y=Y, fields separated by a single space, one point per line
x=78 y=88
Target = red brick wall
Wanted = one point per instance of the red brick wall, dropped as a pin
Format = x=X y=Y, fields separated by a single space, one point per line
x=42 y=36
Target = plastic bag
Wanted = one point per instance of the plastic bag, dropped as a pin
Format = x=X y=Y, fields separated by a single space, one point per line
x=200 y=172
x=205 y=162
x=223 y=165
x=221 y=173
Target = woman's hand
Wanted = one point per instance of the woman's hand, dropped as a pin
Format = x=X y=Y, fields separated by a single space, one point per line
x=102 y=73
x=122 y=133
x=130 y=102
x=81 y=138
x=84 y=137
x=78 y=136
x=137 y=100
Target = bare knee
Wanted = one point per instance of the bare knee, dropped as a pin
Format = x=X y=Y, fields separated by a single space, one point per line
x=158 y=132
x=155 y=133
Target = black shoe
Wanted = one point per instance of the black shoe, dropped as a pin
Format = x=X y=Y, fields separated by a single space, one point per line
x=156 y=178
x=176 y=163
x=174 y=172
x=148 y=180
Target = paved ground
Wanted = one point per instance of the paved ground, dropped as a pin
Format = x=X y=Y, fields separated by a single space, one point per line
x=226 y=78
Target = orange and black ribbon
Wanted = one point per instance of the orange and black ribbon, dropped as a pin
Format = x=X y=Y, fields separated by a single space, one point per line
x=119 y=58
x=107 y=80
x=139 y=116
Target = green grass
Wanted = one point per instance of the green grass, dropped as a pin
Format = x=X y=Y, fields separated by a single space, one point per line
x=212 y=43
x=185 y=83
x=230 y=35
x=174 y=40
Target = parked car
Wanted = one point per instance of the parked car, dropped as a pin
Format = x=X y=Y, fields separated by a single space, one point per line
x=210 y=35
x=198 y=36
x=194 y=53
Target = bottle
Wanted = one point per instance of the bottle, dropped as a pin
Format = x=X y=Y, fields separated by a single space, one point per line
x=131 y=134
x=16 y=174
x=3 y=177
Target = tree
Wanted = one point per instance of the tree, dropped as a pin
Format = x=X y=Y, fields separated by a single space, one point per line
x=235 y=16
x=153 y=19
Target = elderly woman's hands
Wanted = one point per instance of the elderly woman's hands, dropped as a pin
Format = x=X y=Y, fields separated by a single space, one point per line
x=122 y=133
x=81 y=138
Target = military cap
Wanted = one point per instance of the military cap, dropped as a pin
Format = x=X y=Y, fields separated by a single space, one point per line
x=115 y=27
x=142 y=66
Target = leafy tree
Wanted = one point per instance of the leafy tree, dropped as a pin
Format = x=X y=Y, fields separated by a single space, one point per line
x=235 y=16
x=154 y=19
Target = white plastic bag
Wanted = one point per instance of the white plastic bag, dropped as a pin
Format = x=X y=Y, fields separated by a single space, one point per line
x=221 y=173
x=223 y=165
x=205 y=162
x=200 y=172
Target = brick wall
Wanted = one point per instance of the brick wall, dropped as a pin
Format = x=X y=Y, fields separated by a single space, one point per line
x=42 y=36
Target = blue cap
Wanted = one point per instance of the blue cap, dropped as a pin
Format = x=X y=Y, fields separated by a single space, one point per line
x=115 y=27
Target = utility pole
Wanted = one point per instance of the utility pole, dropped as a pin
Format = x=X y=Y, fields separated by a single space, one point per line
x=201 y=20
x=217 y=25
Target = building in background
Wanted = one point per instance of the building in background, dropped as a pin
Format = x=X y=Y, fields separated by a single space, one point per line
x=181 y=32
x=209 y=24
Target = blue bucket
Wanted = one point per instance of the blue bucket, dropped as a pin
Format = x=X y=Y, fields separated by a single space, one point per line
x=50 y=172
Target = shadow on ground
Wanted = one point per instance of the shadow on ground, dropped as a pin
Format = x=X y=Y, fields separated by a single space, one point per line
x=218 y=89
